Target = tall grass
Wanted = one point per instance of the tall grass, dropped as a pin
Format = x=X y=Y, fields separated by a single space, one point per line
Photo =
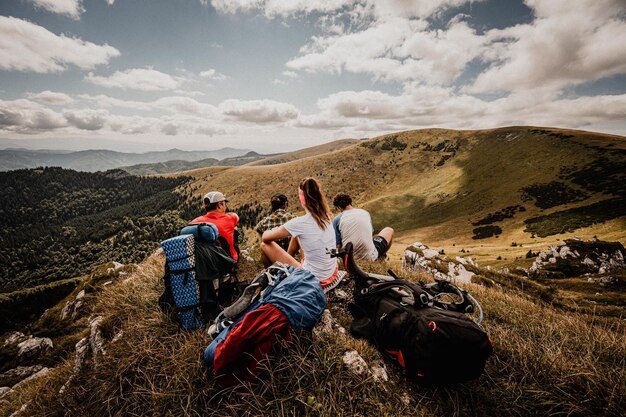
x=545 y=362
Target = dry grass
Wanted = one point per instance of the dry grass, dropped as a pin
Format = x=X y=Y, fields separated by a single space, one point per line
x=546 y=362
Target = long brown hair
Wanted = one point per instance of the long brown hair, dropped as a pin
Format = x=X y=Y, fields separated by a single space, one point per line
x=316 y=201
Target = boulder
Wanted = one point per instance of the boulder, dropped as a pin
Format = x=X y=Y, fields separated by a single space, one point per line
x=38 y=374
x=116 y=267
x=576 y=257
x=419 y=258
x=13 y=376
x=96 y=340
x=355 y=363
x=34 y=348
x=15 y=338
x=72 y=307
x=328 y=325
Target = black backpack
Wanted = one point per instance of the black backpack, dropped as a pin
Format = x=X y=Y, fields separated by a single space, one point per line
x=434 y=341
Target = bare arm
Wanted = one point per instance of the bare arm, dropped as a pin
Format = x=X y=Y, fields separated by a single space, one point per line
x=275 y=234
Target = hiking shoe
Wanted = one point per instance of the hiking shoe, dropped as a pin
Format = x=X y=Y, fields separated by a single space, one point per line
x=329 y=286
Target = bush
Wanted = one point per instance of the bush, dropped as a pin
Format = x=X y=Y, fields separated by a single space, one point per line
x=486 y=232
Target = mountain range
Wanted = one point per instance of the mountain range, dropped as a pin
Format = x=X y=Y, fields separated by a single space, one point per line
x=102 y=160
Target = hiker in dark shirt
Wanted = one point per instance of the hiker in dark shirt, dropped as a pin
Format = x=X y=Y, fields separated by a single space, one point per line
x=278 y=217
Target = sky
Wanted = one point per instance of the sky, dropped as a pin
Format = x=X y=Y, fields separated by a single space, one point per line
x=278 y=75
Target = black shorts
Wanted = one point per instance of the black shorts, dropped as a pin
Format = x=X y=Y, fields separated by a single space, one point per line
x=381 y=245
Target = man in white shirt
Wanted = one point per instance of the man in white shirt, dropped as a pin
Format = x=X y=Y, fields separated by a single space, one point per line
x=355 y=225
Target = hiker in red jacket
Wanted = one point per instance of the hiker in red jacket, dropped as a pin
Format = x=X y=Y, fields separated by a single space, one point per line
x=215 y=205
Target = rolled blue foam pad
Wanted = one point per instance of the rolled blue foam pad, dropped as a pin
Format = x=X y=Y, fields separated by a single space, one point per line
x=179 y=252
x=204 y=232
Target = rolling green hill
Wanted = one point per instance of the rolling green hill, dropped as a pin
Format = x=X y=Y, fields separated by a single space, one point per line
x=495 y=195
x=439 y=186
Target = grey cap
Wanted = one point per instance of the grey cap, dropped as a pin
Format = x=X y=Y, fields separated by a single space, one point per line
x=215 y=197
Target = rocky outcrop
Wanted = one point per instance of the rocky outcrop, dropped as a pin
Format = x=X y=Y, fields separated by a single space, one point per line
x=328 y=325
x=88 y=349
x=357 y=365
x=73 y=307
x=33 y=348
x=420 y=258
x=13 y=376
x=19 y=376
x=575 y=257
x=15 y=338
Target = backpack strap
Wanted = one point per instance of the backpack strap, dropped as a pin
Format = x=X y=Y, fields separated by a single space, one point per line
x=407 y=292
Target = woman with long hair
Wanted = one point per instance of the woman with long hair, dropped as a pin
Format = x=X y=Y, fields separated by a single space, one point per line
x=313 y=233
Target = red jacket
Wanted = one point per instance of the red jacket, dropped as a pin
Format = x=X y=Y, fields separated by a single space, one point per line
x=226 y=224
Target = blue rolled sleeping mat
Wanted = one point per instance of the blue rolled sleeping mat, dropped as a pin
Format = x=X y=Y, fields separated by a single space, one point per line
x=179 y=254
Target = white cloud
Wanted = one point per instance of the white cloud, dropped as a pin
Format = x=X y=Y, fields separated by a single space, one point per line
x=258 y=111
x=71 y=8
x=186 y=105
x=51 y=97
x=283 y=8
x=396 y=49
x=422 y=106
x=25 y=46
x=549 y=52
x=212 y=74
x=24 y=116
x=376 y=8
x=102 y=100
x=87 y=119
x=132 y=125
x=144 y=79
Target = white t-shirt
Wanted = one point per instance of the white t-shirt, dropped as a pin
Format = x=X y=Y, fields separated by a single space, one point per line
x=314 y=241
x=355 y=225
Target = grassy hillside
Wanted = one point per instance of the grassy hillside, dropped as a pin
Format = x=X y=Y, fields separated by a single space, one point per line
x=439 y=185
x=545 y=362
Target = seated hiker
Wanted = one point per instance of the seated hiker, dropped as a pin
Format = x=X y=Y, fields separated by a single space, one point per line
x=278 y=217
x=215 y=205
x=355 y=225
x=313 y=233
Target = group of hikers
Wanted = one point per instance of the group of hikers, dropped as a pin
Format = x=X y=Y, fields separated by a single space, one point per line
x=424 y=336
x=284 y=235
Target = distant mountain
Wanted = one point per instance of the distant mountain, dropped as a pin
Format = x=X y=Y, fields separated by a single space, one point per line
x=169 y=167
x=102 y=160
x=306 y=152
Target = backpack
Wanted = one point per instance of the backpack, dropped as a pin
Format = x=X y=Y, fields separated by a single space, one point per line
x=194 y=276
x=432 y=340
x=279 y=300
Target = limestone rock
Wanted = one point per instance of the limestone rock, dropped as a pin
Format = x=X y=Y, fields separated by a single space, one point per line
x=34 y=348
x=4 y=391
x=96 y=340
x=327 y=325
x=15 y=375
x=15 y=338
x=39 y=374
x=116 y=266
x=355 y=363
x=245 y=255
x=379 y=373
x=72 y=308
